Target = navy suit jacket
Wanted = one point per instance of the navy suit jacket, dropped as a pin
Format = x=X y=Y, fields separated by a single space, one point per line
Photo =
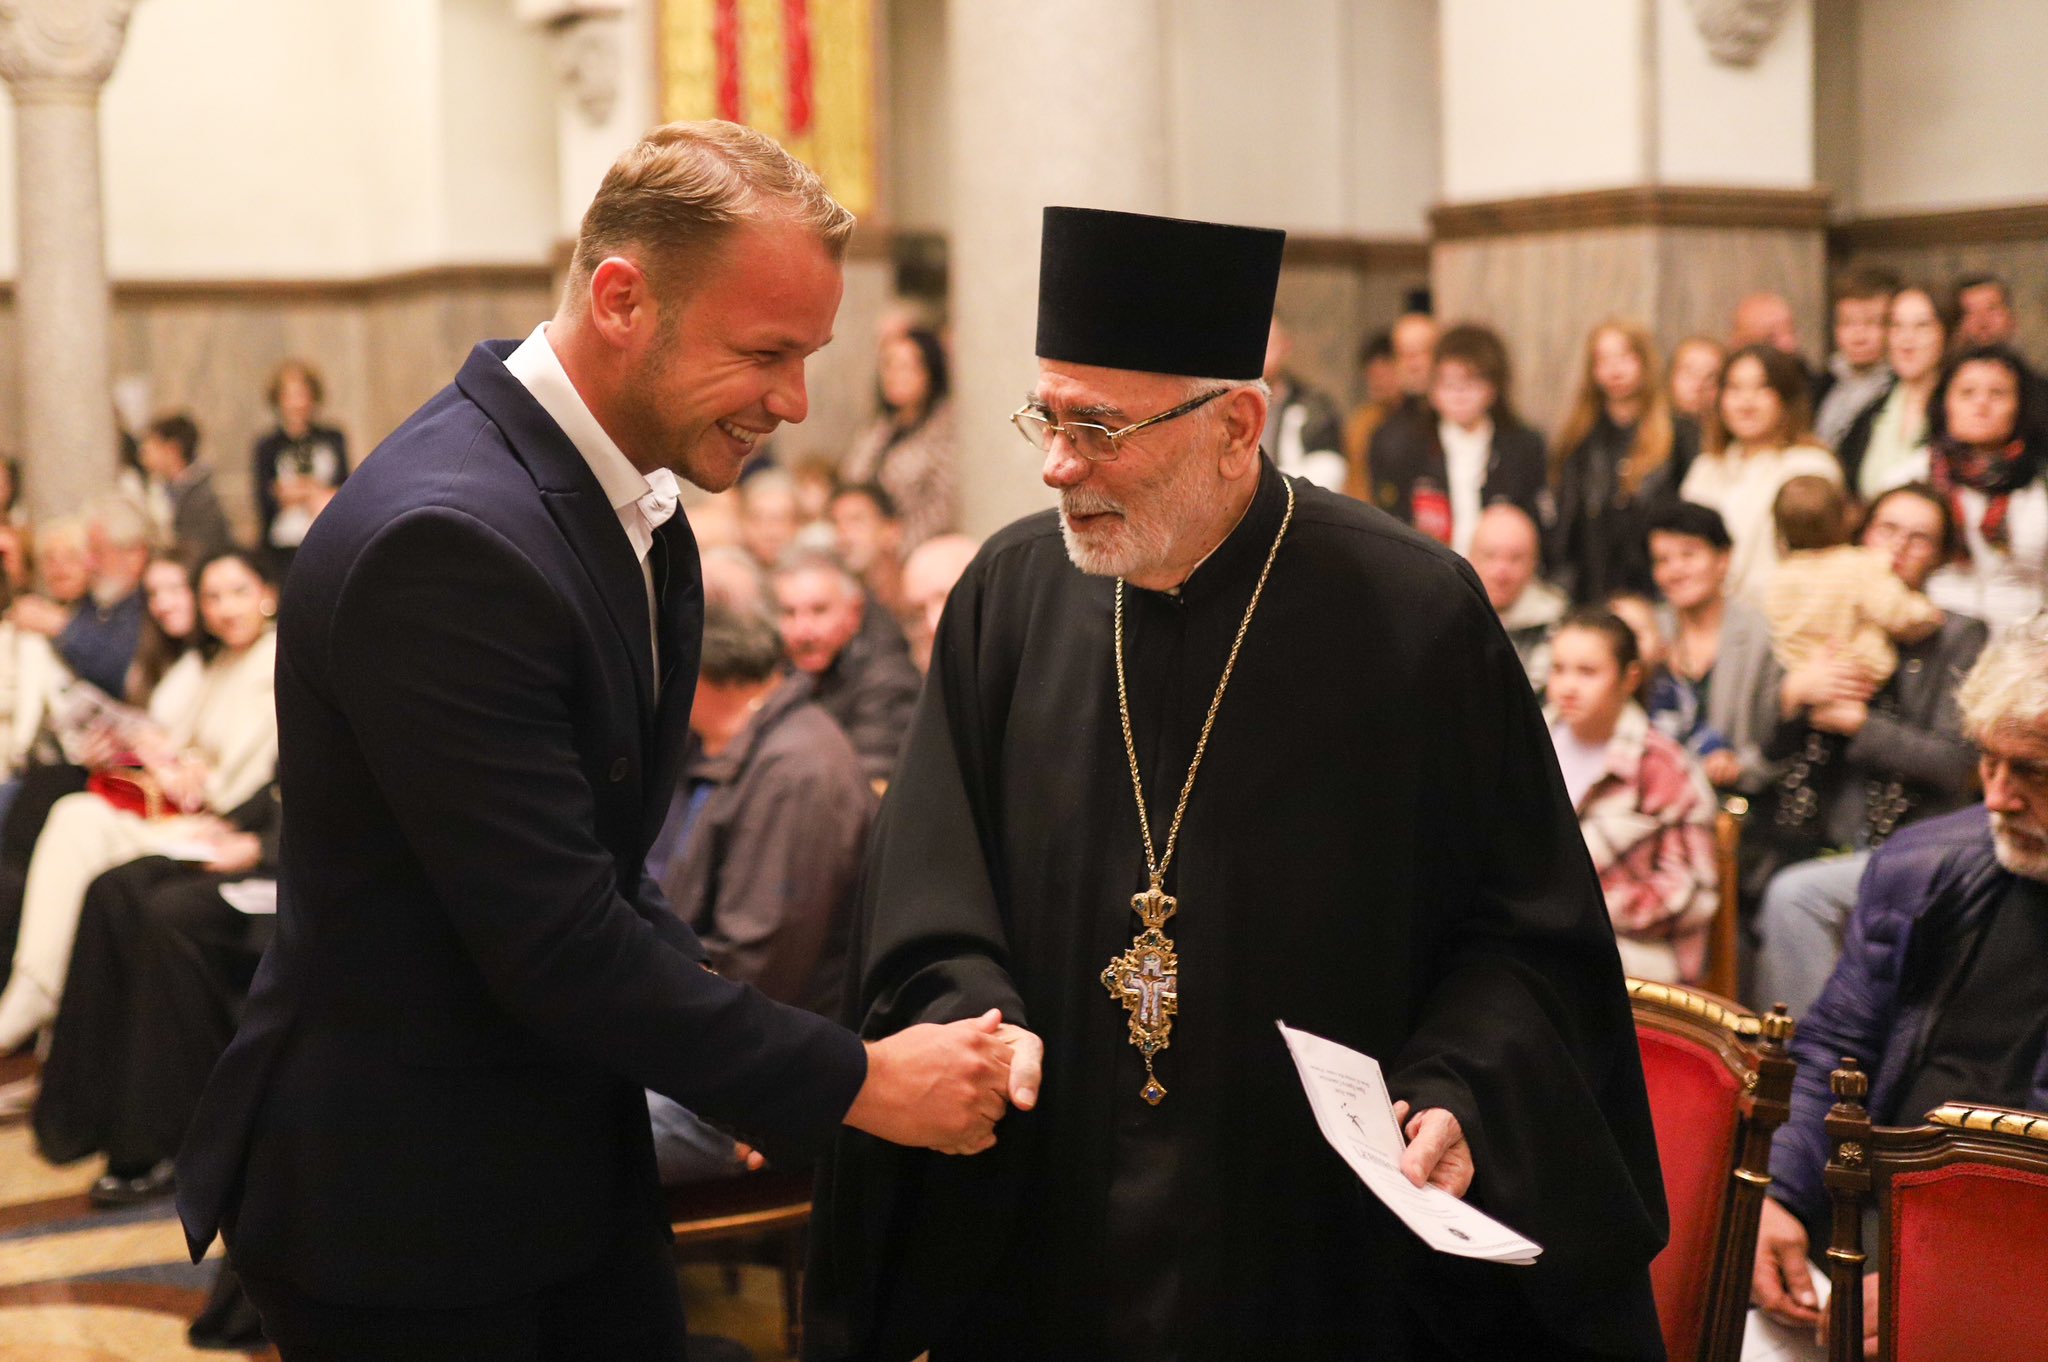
x=435 y=1097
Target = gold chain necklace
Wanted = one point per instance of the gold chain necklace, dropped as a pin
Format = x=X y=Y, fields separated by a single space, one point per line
x=1145 y=979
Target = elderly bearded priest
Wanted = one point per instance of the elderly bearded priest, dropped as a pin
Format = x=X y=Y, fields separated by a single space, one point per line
x=1348 y=794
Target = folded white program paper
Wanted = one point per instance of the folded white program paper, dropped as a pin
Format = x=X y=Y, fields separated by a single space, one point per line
x=1349 y=1097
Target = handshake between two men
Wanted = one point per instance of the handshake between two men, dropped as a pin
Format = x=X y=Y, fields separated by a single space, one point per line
x=944 y=1087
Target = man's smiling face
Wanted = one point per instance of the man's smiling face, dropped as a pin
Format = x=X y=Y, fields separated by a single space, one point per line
x=728 y=366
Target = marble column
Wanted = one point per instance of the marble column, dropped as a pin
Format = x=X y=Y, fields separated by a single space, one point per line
x=1678 y=177
x=1052 y=102
x=55 y=55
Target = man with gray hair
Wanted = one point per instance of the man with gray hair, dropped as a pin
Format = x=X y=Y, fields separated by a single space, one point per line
x=762 y=847
x=1941 y=994
x=863 y=680
x=1208 y=747
x=97 y=635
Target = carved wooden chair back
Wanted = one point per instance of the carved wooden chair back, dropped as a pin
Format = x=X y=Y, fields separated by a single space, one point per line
x=1720 y=1084
x=753 y=1217
x=1962 y=1214
x=1724 y=935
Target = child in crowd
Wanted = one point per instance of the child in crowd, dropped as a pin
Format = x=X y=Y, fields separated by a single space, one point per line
x=1644 y=807
x=1673 y=707
x=1828 y=594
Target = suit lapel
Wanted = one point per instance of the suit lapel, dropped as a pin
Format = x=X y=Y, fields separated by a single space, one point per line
x=682 y=633
x=573 y=498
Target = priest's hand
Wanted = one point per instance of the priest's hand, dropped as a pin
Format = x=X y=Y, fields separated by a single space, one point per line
x=1437 y=1153
x=1027 y=1064
x=941 y=1087
x=1782 y=1282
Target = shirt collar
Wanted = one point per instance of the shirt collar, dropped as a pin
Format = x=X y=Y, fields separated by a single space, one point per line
x=538 y=369
x=1479 y=437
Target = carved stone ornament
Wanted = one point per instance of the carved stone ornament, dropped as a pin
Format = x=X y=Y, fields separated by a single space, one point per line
x=1738 y=31
x=589 y=56
x=63 y=44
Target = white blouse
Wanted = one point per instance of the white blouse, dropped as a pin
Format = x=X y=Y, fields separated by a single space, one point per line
x=2002 y=587
x=1742 y=487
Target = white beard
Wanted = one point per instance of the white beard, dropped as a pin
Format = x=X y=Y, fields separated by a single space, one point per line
x=1149 y=526
x=2021 y=847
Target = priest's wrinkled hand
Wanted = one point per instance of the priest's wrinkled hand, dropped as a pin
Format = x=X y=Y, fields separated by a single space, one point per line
x=941 y=1087
x=1781 y=1282
x=1027 y=1064
x=1437 y=1152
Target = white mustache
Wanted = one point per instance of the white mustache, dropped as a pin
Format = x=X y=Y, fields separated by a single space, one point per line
x=1072 y=505
x=2026 y=830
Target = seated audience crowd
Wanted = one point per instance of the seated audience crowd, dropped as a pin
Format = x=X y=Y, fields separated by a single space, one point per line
x=1750 y=590
x=1741 y=589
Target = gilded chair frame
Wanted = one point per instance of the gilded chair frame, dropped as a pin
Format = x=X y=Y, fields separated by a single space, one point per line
x=1754 y=1048
x=1862 y=1161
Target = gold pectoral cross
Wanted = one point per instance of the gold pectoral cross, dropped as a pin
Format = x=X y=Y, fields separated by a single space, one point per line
x=1146 y=980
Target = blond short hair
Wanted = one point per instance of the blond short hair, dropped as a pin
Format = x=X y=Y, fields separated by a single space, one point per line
x=2008 y=688
x=672 y=199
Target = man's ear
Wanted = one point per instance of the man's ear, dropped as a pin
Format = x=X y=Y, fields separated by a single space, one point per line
x=621 y=302
x=1244 y=421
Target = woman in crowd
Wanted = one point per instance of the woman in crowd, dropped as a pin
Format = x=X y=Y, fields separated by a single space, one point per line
x=1644 y=808
x=1612 y=462
x=170 y=630
x=157 y=979
x=1719 y=662
x=910 y=449
x=1886 y=445
x=1987 y=458
x=31 y=675
x=163 y=682
x=1859 y=765
x=15 y=533
x=297 y=460
x=1695 y=368
x=206 y=764
x=1756 y=442
x=1438 y=475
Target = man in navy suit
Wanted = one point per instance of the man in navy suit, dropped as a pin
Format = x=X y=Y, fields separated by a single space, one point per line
x=429 y=1138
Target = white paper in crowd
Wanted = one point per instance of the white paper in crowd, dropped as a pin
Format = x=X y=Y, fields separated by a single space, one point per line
x=196 y=850
x=1766 y=1340
x=1349 y=1097
x=253 y=897
x=85 y=718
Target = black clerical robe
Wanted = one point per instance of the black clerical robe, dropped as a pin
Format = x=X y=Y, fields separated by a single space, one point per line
x=1378 y=849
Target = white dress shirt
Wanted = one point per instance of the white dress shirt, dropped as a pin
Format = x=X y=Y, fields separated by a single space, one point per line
x=1466 y=454
x=538 y=369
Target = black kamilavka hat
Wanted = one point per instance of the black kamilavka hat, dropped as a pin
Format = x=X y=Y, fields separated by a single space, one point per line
x=1159 y=295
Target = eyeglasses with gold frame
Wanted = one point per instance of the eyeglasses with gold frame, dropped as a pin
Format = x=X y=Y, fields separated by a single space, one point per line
x=1093 y=442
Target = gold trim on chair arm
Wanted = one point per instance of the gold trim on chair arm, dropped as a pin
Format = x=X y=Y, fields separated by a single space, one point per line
x=1995 y=1119
x=1746 y=1024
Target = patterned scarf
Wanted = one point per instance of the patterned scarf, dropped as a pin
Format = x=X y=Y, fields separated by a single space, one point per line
x=1997 y=474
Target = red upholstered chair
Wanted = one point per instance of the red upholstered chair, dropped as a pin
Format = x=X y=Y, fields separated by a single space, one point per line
x=1720 y=1083
x=1963 y=1217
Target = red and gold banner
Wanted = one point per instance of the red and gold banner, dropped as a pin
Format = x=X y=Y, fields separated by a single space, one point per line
x=802 y=71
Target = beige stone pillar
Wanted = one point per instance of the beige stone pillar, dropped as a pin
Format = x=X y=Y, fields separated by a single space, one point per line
x=55 y=55
x=1677 y=176
x=1052 y=102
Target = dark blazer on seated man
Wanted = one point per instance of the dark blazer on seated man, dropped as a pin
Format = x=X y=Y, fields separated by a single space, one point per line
x=435 y=1098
